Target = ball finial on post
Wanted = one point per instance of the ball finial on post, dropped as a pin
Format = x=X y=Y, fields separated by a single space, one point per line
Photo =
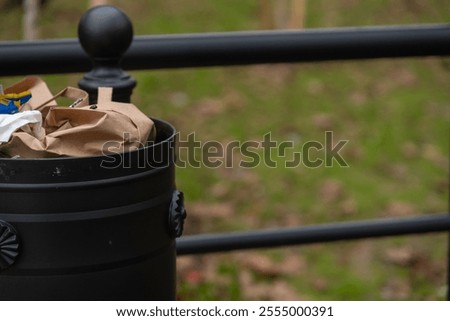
x=105 y=33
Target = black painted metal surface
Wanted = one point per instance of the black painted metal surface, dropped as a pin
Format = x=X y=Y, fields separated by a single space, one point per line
x=222 y=242
x=234 y=48
x=92 y=228
x=105 y=33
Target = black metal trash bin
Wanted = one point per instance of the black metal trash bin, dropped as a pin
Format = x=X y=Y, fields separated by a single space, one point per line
x=93 y=228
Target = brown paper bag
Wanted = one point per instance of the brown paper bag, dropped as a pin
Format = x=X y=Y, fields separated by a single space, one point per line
x=40 y=94
x=78 y=129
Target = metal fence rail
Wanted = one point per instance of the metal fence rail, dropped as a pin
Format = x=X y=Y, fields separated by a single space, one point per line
x=233 y=48
x=209 y=243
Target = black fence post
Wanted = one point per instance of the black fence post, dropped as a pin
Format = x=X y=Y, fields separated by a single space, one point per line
x=105 y=33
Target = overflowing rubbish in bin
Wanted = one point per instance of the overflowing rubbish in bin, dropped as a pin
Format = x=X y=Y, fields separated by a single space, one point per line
x=34 y=125
x=89 y=206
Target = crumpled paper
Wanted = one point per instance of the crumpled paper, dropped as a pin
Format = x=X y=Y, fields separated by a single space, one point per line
x=76 y=129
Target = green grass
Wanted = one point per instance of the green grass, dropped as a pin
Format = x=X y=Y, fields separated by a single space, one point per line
x=394 y=112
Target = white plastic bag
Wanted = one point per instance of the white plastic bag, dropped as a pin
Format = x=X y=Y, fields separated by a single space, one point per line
x=10 y=123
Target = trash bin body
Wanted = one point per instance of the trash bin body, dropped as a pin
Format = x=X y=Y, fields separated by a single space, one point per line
x=91 y=228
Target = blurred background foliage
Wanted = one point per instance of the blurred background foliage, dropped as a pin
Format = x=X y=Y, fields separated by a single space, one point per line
x=394 y=112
